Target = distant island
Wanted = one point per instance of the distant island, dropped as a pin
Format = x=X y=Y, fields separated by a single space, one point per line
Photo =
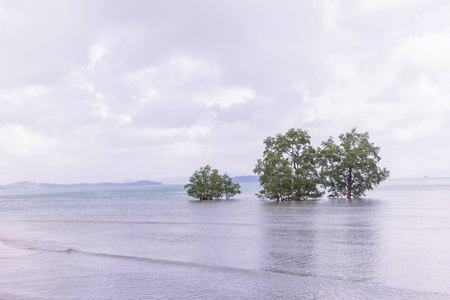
x=247 y=178
x=36 y=185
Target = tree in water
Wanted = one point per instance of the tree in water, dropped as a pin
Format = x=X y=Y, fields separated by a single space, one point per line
x=208 y=184
x=352 y=167
x=288 y=169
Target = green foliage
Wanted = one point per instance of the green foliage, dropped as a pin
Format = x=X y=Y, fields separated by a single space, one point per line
x=288 y=169
x=208 y=184
x=351 y=168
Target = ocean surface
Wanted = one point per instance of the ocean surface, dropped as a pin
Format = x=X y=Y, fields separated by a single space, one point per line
x=157 y=243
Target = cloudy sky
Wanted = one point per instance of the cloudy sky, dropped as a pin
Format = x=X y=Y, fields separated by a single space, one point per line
x=108 y=90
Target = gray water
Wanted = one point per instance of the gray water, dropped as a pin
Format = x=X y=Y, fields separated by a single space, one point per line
x=156 y=243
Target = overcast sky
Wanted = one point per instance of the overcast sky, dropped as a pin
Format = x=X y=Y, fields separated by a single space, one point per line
x=108 y=90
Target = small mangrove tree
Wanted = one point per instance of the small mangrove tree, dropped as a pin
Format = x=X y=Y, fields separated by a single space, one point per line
x=208 y=184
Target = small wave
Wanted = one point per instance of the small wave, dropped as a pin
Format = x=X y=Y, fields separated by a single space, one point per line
x=140 y=222
x=25 y=246
x=152 y=260
x=71 y=251
x=253 y=272
x=8 y=249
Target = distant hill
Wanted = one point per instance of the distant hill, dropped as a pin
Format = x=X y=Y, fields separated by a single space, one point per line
x=35 y=185
x=174 y=180
x=248 y=178
x=185 y=180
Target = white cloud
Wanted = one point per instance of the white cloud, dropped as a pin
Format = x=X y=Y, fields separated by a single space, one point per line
x=193 y=68
x=18 y=140
x=384 y=5
x=225 y=97
x=429 y=51
x=154 y=132
x=331 y=14
x=189 y=149
x=163 y=90
x=177 y=72
x=20 y=95
x=96 y=53
x=431 y=91
x=77 y=80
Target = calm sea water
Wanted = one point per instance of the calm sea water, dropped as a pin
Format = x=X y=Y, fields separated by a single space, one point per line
x=156 y=243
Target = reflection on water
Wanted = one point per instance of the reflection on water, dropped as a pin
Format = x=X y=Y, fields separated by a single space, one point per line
x=290 y=237
x=330 y=239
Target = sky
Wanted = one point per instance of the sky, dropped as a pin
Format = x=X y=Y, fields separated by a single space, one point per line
x=94 y=91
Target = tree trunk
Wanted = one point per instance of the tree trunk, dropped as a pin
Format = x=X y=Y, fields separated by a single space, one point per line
x=349 y=184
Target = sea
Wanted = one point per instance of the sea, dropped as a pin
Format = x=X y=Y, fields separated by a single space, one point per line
x=154 y=242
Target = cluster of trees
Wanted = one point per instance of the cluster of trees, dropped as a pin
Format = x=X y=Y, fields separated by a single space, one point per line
x=291 y=169
x=288 y=170
x=208 y=184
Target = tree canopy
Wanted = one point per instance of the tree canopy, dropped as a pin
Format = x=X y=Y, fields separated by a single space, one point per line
x=208 y=184
x=351 y=167
x=291 y=169
x=288 y=169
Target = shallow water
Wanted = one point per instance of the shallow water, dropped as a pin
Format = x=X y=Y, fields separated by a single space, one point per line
x=156 y=243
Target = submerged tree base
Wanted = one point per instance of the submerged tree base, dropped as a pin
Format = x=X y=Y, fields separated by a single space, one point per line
x=284 y=199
